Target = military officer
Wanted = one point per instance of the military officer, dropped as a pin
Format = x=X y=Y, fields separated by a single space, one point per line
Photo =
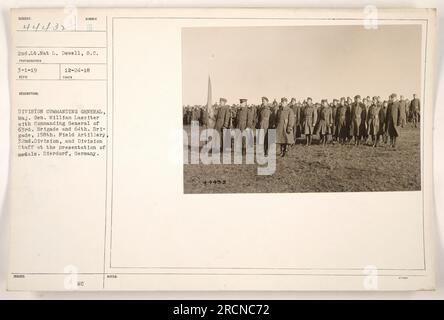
x=393 y=119
x=325 y=121
x=382 y=133
x=264 y=123
x=402 y=111
x=241 y=119
x=284 y=127
x=355 y=117
x=334 y=108
x=341 y=121
x=222 y=123
x=373 y=122
x=415 y=106
x=308 y=120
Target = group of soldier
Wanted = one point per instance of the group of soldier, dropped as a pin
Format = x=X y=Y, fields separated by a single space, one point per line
x=345 y=120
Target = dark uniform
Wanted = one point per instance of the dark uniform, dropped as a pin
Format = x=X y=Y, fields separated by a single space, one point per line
x=222 y=124
x=325 y=120
x=373 y=123
x=284 y=128
x=415 y=106
x=297 y=120
x=403 y=112
x=393 y=121
x=382 y=124
x=334 y=108
x=308 y=119
x=341 y=123
x=355 y=119
x=241 y=119
x=363 y=126
x=263 y=125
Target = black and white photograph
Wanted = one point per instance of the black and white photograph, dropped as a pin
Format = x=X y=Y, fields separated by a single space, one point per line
x=322 y=108
x=226 y=152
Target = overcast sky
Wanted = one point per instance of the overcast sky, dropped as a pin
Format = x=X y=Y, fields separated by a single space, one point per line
x=316 y=61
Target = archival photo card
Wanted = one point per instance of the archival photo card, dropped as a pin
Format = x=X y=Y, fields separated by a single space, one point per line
x=302 y=108
x=221 y=149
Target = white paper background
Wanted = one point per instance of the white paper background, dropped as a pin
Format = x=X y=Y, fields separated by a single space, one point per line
x=4 y=138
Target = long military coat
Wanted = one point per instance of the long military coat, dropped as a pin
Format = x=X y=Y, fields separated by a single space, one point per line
x=264 y=118
x=341 y=121
x=334 y=110
x=373 y=120
x=403 y=110
x=297 y=120
x=355 y=118
x=285 y=126
x=325 y=120
x=415 y=105
x=223 y=118
x=251 y=117
x=308 y=119
x=363 y=126
x=273 y=117
x=382 y=120
x=393 y=119
x=241 y=120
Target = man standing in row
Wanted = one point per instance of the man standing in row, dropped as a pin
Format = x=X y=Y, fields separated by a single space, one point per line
x=296 y=107
x=334 y=109
x=356 y=113
x=325 y=122
x=373 y=122
x=222 y=123
x=284 y=127
x=263 y=124
x=382 y=133
x=402 y=111
x=393 y=119
x=308 y=120
x=415 y=107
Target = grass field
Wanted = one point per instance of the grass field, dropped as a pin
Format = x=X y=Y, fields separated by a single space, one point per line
x=333 y=168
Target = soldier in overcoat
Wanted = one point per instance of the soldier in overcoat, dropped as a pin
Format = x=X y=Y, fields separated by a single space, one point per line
x=355 y=119
x=325 y=120
x=264 y=123
x=296 y=107
x=393 y=119
x=363 y=134
x=222 y=123
x=341 y=121
x=402 y=111
x=241 y=120
x=334 y=108
x=273 y=115
x=308 y=120
x=382 y=133
x=284 y=127
x=373 y=122
x=415 y=106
